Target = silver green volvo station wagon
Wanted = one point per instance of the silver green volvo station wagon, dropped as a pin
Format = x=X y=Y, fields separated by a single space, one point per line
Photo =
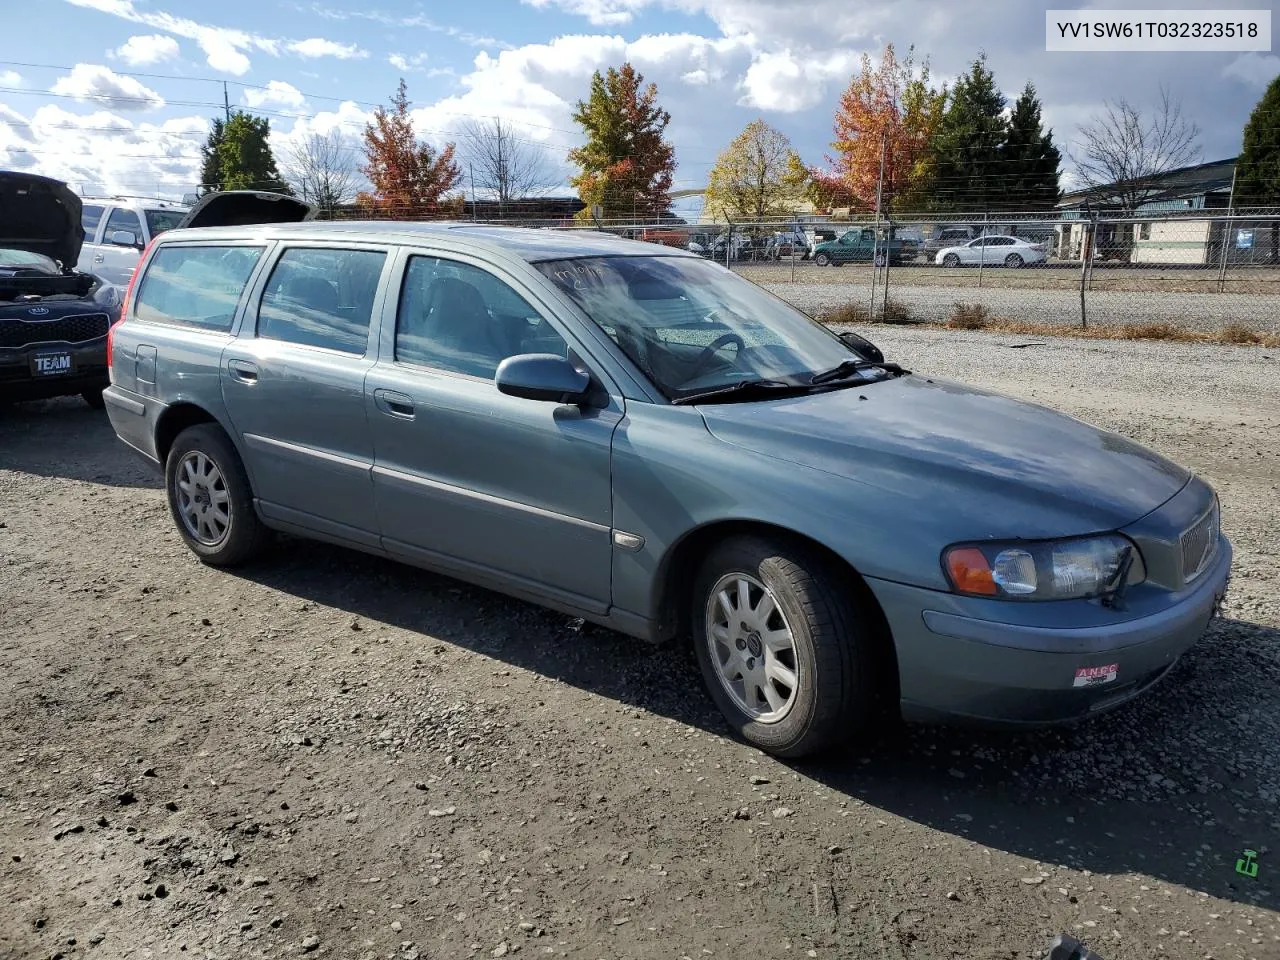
x=635 y=436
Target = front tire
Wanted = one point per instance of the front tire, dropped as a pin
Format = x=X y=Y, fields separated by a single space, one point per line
x=782 y=648
x=951 y=260
x=822 y=260
x=210 y=498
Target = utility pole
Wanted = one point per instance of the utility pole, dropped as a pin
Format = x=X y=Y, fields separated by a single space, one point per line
x=226 y=101
x=471 y=170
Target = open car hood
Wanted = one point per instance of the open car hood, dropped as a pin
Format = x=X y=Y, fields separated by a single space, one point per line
x=40 y=215
x=236 y=208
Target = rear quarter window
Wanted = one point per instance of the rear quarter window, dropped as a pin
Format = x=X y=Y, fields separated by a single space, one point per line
x=195 y=286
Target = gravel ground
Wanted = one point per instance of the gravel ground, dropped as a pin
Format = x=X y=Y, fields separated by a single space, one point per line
x=332 y=755
x=1197 y=311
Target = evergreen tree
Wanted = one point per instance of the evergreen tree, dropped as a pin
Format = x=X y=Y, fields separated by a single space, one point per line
x=211 y=165
x=967 y=167
x=1258 y=169
x=626 y=164
x=1029 y=158
x=244 y=155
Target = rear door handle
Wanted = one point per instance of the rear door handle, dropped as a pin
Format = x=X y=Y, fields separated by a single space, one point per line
x=99 y=258
x=394 y=404
x=243 y=371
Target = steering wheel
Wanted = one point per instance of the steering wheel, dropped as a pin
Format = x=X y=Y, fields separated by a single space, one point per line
x=714 y=347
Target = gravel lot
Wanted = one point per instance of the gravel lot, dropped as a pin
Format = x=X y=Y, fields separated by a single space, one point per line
x=933 y=303
x=332 y=755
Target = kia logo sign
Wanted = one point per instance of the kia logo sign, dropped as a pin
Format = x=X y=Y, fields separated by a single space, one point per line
x=38 y=311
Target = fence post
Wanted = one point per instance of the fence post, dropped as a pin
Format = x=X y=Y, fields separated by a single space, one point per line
x=982 y=257
x=888 y=259
x=1226 y=242
x=1086 y=253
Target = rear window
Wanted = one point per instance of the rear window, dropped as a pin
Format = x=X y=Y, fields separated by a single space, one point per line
x=195 y=286
x=90 y=217
x=322 y=297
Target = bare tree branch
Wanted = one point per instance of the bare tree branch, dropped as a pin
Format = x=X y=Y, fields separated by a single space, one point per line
x=503 y=164
x=322 y=169
x=1123 y=153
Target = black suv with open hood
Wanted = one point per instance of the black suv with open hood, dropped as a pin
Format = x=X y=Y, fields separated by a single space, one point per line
x=54 y=319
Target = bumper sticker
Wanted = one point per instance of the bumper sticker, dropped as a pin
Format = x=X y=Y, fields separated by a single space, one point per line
x=1094 y=676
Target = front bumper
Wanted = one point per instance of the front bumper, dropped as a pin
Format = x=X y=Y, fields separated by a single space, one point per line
x=955 y=662
x=88 y=370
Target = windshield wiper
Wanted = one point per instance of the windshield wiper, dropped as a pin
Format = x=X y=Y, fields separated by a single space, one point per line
x=847 y=368
x=743 y=390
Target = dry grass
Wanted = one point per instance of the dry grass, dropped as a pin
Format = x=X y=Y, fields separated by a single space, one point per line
x=895 y=311
x=976 y=316
x=969 y=316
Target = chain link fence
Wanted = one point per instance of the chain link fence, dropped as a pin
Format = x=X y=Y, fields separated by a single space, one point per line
x=1200 y=271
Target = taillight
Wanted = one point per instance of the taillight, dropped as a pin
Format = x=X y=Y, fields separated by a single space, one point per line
x=124 y=302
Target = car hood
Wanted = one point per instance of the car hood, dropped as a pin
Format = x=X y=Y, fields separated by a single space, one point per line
x=1010 y=468
x=235 y=208
x=41 y=215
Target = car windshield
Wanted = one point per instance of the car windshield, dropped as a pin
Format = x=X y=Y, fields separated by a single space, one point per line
x=29 y=259
x=158 y=221
x=692 y=326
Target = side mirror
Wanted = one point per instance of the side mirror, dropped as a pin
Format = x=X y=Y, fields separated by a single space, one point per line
x=123 y=238
x=542 y=376
x=862 y=346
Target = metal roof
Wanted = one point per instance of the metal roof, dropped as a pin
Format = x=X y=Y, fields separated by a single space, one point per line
x=527 y=243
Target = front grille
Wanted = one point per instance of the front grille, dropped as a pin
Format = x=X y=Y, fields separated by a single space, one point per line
x=1199 y=544
x=77 y=329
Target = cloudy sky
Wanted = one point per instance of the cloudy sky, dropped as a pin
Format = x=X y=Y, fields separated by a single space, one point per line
x=116 y=95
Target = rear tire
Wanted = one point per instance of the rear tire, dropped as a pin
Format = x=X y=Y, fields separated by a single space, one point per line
x=1013 y=261
x=94 y=398
x=210 y=498
x=789 y=661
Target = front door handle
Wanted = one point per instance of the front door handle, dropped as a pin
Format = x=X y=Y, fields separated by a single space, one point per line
x=99 y=259
x=394 y=404
x=243 y=370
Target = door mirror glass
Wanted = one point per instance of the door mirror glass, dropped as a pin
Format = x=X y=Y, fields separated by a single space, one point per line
x=542 y=376
x=124 y=238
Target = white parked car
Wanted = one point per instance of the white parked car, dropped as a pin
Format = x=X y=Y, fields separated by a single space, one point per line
x=993 y=251
x=117 y=229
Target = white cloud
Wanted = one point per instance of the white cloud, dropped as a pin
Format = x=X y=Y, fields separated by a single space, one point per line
x=223 y=47
x=601 y=13
x=94 y=83
x=146 y=49
x=314 y=47
x=103 y=152
x=276 y=92
x=788 y=83
x=9 y=78
x=1253 y=69
x=407 y=64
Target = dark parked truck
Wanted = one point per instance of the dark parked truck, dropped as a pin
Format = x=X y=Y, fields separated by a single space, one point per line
x=53 y=319
x=860 y=246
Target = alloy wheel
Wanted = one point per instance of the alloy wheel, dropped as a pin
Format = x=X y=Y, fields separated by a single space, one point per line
x=202 y=498
x=752 y=647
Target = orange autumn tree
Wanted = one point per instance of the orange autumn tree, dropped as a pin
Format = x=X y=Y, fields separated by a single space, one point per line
x=409 y=178
x=888 y=107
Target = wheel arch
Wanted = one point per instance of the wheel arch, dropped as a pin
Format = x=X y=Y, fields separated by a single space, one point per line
x=177 y=417
x=677 y=573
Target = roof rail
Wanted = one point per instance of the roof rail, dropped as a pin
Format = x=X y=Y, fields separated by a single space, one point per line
x=130 y=196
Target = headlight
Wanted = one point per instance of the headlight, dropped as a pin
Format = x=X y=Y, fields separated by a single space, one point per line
x=1045 y=569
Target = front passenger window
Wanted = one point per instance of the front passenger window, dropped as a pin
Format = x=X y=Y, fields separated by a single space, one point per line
x=459 y=318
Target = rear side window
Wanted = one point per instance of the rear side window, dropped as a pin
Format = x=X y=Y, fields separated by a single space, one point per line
x=195 y=286
x=90 y=217
x=322 y=298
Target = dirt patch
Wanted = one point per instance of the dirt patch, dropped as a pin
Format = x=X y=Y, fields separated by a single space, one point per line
x=333 y=755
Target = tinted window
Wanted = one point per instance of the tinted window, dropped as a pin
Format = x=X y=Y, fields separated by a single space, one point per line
x=458 y=317
x=158 y=221
x=90 y=217
x=195 y=286
x=322 y=298
x=122 y=219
